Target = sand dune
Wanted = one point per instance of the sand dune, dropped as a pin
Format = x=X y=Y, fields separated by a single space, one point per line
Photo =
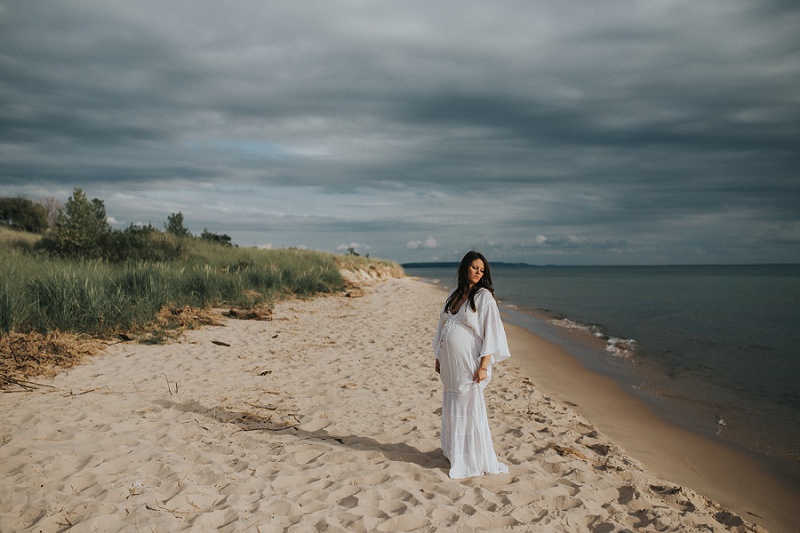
x=324 y=419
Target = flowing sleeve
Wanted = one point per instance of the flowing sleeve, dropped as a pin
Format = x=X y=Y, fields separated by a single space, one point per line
x=437 y=337
x=492 y=332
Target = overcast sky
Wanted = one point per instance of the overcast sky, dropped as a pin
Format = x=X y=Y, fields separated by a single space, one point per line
x=580 y=132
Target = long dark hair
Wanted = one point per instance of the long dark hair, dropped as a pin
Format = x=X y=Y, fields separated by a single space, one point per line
x=463 y=281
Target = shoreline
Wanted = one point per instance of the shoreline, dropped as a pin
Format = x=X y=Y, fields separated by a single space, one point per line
x=583 y=347
x=731 y=477
x=327 y=417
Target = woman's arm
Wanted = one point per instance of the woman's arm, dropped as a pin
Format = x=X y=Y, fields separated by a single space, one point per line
x=483 y=370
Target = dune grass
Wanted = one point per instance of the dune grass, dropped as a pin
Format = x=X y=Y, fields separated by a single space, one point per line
x=39 y=293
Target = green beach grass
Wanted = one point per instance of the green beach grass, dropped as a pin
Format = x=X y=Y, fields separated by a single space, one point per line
x=41 y=293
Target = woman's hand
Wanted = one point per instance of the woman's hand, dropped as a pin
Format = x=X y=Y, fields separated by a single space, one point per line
x=437 y=366
x=483 y=369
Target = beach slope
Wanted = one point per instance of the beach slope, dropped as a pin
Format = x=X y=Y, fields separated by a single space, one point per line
x=325 y=418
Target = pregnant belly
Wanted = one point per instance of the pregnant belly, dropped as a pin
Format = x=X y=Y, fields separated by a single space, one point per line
x=458 y=358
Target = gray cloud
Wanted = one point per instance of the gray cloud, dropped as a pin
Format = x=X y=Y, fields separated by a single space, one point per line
x=627 y=132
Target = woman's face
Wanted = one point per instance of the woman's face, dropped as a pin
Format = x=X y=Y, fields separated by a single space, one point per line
x=475 y=272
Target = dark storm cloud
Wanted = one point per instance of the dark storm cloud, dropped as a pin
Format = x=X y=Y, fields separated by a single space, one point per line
x=622 y=132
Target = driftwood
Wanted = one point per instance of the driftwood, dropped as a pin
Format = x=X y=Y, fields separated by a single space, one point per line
x=249 y=314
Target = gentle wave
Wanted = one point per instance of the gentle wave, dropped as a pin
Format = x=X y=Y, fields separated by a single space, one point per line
x=622 y=348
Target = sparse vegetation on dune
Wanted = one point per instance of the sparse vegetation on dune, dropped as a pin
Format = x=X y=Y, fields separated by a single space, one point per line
x=141 y=284
x=374 y=267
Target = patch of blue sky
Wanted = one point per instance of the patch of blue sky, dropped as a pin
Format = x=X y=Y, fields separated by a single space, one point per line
x=250 y=148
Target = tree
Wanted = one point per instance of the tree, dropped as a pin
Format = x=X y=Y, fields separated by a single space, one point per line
x=81 y=230
x=52 y=207
x=23 y=214
x=175 y=225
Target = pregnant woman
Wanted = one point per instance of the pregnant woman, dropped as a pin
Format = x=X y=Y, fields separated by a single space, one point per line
x=469 y=340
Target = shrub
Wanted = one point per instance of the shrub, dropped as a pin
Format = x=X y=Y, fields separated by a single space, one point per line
x=216 y=237
x=142 y=243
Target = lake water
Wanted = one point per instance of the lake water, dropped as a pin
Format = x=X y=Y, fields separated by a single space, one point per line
x=714 y=348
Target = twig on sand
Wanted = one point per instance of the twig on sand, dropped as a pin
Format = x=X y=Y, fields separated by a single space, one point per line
x=80 y=393
x=268 y=407
x=25 y=385
x=169 y=387
x=161 y=508
x=274 y=428
x=268 y=429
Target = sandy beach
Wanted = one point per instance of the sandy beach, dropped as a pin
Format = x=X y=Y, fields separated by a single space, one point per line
x=326 y=418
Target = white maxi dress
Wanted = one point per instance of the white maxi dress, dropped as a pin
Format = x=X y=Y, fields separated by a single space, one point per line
x=461 y=340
